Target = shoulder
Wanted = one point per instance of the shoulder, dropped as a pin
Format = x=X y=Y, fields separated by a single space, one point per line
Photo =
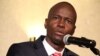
x=27 y=44
x=25 y=48
x=22 y=45
x=20 y=48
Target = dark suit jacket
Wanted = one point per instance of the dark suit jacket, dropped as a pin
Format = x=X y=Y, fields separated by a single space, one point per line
x=35 y=48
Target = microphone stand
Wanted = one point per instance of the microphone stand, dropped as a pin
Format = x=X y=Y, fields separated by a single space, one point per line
x=95 y=51
x=92 y=47
x=91 y=44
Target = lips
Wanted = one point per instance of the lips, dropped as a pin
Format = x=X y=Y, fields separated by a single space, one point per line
x=59 y=33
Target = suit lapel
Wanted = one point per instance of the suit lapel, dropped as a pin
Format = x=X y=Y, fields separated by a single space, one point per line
x=39 y=48
x=65 y=52
x=69 y=53
x=41 y=52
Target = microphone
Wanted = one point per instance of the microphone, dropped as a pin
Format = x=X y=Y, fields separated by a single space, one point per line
x=82 y=42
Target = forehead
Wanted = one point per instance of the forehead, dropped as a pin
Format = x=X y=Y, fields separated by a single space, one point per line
x=59 y=6
x=64 y=11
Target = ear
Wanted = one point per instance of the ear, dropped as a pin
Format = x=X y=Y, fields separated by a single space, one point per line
x=45 y=24
x=74 y=27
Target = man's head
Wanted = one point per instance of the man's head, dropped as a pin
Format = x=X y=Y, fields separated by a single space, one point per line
x=61 y=21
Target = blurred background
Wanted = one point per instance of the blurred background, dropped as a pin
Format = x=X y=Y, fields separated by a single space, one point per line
x=22 y=19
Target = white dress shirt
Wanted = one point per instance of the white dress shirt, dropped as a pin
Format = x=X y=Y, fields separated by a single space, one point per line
x=50 y=50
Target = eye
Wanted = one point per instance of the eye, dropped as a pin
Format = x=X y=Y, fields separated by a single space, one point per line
x=56 y=17
x=69 y=21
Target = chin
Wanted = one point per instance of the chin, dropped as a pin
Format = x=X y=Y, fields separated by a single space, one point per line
x=58 y=42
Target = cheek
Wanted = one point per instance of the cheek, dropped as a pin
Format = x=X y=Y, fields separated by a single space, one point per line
x=70 y=29
x=52 y=28
x=53 y=25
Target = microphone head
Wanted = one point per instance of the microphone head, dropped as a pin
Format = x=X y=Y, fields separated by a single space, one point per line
x=65 y=39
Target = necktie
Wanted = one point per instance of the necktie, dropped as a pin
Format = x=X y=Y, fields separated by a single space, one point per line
x=56 y=54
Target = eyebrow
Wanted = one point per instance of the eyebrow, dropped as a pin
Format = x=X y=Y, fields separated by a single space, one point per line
x=63 y=17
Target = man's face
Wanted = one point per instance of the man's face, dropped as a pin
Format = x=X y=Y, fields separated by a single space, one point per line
x=60 y=23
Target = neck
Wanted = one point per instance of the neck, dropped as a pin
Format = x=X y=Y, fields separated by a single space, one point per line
x=58 y=47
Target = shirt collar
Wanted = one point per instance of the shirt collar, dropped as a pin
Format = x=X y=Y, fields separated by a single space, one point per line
x=50 y=50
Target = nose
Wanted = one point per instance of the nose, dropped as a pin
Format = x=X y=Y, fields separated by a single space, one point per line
x=61 y=23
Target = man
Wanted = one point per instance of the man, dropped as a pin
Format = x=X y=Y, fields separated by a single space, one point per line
x=61 y=21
